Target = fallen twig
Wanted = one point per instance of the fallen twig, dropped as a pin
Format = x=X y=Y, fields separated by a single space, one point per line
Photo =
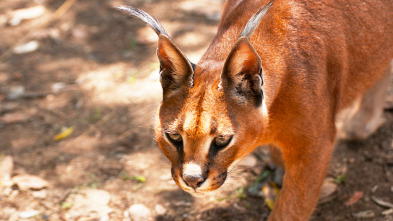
x=382 y=203
x=64 y=8
x=387 y=212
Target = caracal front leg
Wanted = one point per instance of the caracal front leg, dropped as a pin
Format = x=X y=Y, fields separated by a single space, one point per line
x=305 y=168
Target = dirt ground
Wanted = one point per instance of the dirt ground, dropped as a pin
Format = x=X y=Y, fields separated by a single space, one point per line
x=94 y=72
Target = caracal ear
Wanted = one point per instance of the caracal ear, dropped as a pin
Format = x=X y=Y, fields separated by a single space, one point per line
x=241 y=78
x=176 y=72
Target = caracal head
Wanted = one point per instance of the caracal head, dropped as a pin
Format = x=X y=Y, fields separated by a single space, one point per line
x=210 y=117
x=205 y=126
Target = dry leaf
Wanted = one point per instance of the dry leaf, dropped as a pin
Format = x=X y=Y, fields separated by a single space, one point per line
x=356 y=196
x=328 y=188
x=270 y=192
x=27 y=181
x=66 y=133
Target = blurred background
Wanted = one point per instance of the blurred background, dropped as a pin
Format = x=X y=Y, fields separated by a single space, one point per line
x=79 y=88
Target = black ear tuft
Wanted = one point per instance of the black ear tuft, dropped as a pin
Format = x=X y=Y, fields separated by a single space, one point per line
x=154 y=24
x=176 y=71
x=254 y=21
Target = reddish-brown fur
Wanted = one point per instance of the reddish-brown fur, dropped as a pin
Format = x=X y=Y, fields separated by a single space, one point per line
x=317 y=58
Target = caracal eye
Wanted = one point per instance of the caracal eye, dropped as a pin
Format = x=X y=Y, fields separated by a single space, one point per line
x=222 y=141
x=174 y=137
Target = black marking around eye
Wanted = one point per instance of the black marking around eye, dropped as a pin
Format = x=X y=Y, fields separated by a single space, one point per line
x=207 y=170
x=174 y=175
x=213 y=127
x=214 y=148
x=181 y=166
x=222 y=175
x=177 y=144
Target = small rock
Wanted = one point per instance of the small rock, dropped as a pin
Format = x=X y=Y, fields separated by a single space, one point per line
x=58 y=86
x=27 y=181
x=15 y=92
x=248 y=161
x=139 y=212
x=160 y=210
x=28 y=214
x=6 y=167
x=25 y=14
x=27 y=47
x=42 y=194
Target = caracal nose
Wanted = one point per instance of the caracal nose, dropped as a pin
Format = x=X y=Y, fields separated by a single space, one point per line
x=193 y=175
x=193 y=181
